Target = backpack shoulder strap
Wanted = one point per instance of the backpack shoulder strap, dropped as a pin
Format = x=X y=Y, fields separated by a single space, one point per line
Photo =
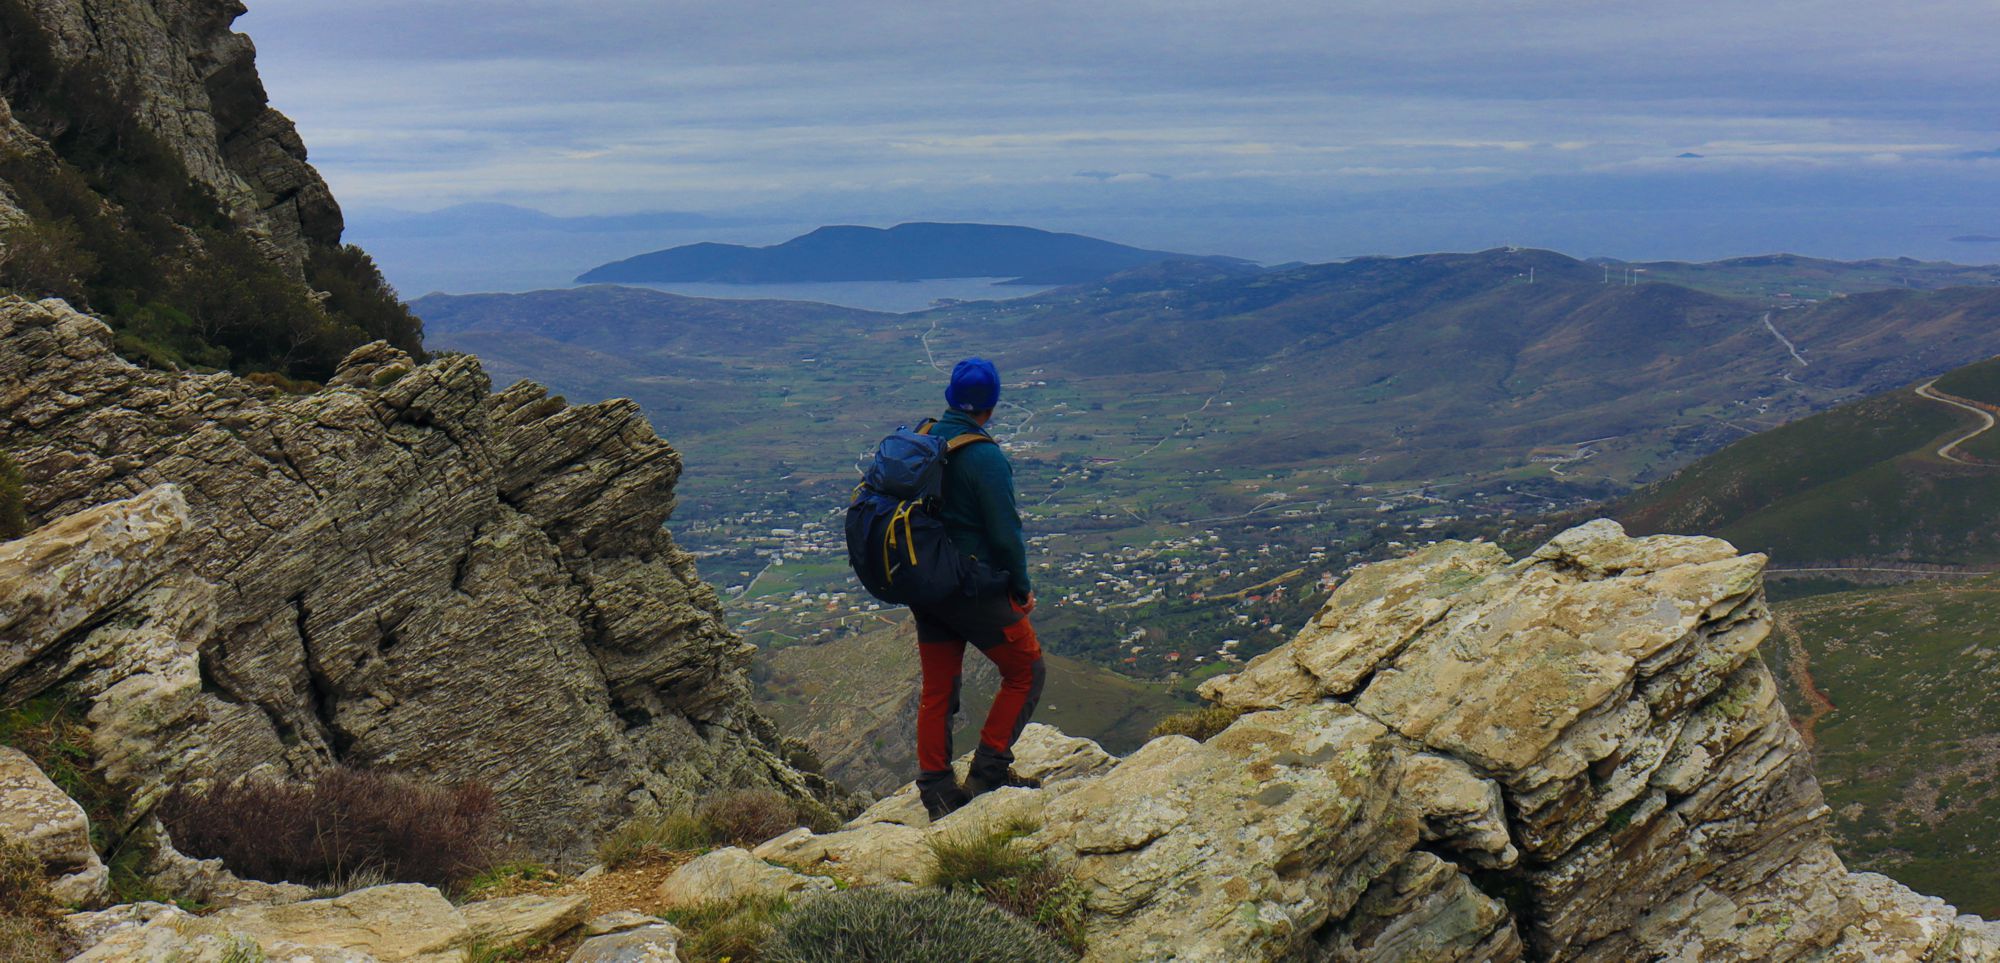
x=969 y=438
x=924 y=426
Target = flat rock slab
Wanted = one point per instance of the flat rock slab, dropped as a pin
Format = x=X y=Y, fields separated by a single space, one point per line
x=395 y=923
x=512 y=921
x=659 y=943
x=732 y=874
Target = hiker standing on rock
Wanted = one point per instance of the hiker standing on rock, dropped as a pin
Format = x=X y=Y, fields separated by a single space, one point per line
x=934 y=526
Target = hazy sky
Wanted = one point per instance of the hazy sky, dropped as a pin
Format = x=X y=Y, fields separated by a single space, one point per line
x=1159 y=117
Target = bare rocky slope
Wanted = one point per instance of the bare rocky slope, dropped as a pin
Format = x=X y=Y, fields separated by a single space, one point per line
x=404 y=571
x=1577 y=755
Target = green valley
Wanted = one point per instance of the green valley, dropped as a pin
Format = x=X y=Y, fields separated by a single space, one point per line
x=1187 y=431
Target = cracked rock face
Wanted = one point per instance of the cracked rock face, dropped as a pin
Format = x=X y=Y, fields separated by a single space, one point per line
x=405 y=571
x=1573 y=756
x=198 y=90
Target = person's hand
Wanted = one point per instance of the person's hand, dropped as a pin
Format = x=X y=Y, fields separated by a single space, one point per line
x=1024 y=604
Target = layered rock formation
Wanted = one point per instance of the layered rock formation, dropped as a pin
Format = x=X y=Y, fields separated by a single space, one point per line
x=404 y=571
x=1573 y=756
x=196 y=86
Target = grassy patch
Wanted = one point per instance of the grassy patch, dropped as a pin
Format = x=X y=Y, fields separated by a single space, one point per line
x=739 y=817
x=731 y=930
x=1198 y=724
x=31 y=928
x=1026 y=884
x=664 y=832
x=50 y=729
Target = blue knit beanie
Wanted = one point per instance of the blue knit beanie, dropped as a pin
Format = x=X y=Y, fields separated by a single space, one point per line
x=975 y=385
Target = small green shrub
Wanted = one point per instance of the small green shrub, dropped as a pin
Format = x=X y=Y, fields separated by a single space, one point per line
x=663 y=832
x=747 y=817
x=734 y=930
x=969 y=860
x=31 y=927
x=1027 y=884
x=881 y=925
x=1198 y=724
x=45 y=259
x=13 y=500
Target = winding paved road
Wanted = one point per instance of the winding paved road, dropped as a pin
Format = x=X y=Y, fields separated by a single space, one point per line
x=1948 y=450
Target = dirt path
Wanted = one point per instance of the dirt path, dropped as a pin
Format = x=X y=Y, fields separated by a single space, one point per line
x=1948 y=451
x=1818 y=703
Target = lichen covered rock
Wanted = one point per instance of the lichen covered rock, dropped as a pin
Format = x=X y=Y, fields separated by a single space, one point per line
x=1573 y=756
x=53 y=828
x=405 y=572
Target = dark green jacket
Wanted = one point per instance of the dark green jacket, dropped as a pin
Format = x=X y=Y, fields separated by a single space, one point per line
x=979 y=511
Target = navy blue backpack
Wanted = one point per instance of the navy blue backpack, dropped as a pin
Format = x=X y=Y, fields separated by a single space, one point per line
x=895 y=542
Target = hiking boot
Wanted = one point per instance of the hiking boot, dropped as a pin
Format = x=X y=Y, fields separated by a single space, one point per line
x=943 y=798
x=985 y=779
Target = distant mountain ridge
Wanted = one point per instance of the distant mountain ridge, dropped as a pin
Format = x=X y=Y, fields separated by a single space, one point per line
x=906 y=252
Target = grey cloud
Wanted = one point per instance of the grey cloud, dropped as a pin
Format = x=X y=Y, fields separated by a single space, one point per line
x=622 y=104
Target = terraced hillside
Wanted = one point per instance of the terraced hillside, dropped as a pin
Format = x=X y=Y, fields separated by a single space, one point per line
x=1907 y=683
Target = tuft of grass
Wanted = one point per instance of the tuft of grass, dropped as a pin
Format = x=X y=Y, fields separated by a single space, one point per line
x=51 y=729
x=969 y=860
x=480 y=951
x=365 y=877
x=1198 y=724
x=741 y=817
x=728 y=930
x=1026 y=884
x=507 y=879
x=663 y=832
x=31 y=925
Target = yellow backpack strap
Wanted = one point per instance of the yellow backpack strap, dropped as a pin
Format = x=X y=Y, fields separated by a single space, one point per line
x=924 y=426
x=969 y=438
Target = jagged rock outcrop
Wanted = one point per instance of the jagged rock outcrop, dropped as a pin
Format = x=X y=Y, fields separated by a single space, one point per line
x=404 y=571
x=196 y=86
x=53 y=828
x=1573 y=756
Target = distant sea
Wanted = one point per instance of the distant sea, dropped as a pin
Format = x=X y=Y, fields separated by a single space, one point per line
x=896 y=296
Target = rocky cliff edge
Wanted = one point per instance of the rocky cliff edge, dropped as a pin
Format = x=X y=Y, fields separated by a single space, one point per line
x=404 y=571
x=1577 y=755
x=195 y=84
